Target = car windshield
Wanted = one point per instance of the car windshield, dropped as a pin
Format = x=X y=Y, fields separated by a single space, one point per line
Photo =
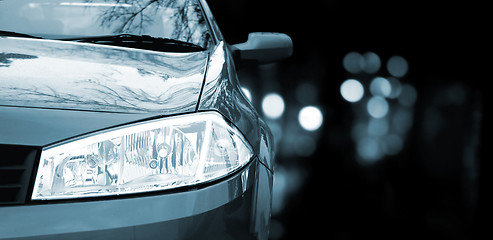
x=181 y=20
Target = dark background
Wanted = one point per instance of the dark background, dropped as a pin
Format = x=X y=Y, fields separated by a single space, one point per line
x=435 y=186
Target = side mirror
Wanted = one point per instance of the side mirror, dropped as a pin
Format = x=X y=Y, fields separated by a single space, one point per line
x=263 y=47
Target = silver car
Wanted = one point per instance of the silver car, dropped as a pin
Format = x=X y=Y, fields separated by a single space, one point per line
x=125 y=119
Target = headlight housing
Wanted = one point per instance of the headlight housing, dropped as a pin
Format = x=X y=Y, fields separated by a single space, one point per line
x=154 y=155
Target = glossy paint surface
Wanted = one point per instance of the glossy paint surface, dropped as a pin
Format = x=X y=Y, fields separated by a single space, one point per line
x=222 y=92
x=41 y=127
x=67 y=75
x=57 y=90
x=224 y=210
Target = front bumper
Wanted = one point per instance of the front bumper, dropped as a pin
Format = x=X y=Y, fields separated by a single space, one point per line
x=237 y=207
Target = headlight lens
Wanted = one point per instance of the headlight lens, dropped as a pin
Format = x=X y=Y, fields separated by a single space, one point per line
x=155 y=155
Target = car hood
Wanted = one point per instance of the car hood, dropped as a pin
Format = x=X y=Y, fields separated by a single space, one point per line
x=52 y=90
x=83 y=76
x=41 y=127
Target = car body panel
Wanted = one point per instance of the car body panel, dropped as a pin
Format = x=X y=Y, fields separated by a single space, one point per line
x=236 y=206
x=222 y=93
x=225 y=206
x=41 y=127
x=81 y=76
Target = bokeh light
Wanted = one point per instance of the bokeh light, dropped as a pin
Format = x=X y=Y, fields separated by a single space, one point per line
x=368 y=150
x=273 y=105
x=408 y=95
x=353 y=62
x=372 y=63
x=396 y=87
x=402 y=120
x=392 y=144
x=397 y=66
x=378 y=127
x=310 y=118
x=352 y=90
x=377 y=107
x=380 y=86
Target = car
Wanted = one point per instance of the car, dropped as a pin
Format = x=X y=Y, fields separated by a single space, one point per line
x=126 y=120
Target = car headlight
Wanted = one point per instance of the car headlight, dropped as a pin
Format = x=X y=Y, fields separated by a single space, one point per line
x=154 y=155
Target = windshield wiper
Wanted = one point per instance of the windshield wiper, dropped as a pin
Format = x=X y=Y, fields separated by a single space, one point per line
x=16 y=34
x=141 y=42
